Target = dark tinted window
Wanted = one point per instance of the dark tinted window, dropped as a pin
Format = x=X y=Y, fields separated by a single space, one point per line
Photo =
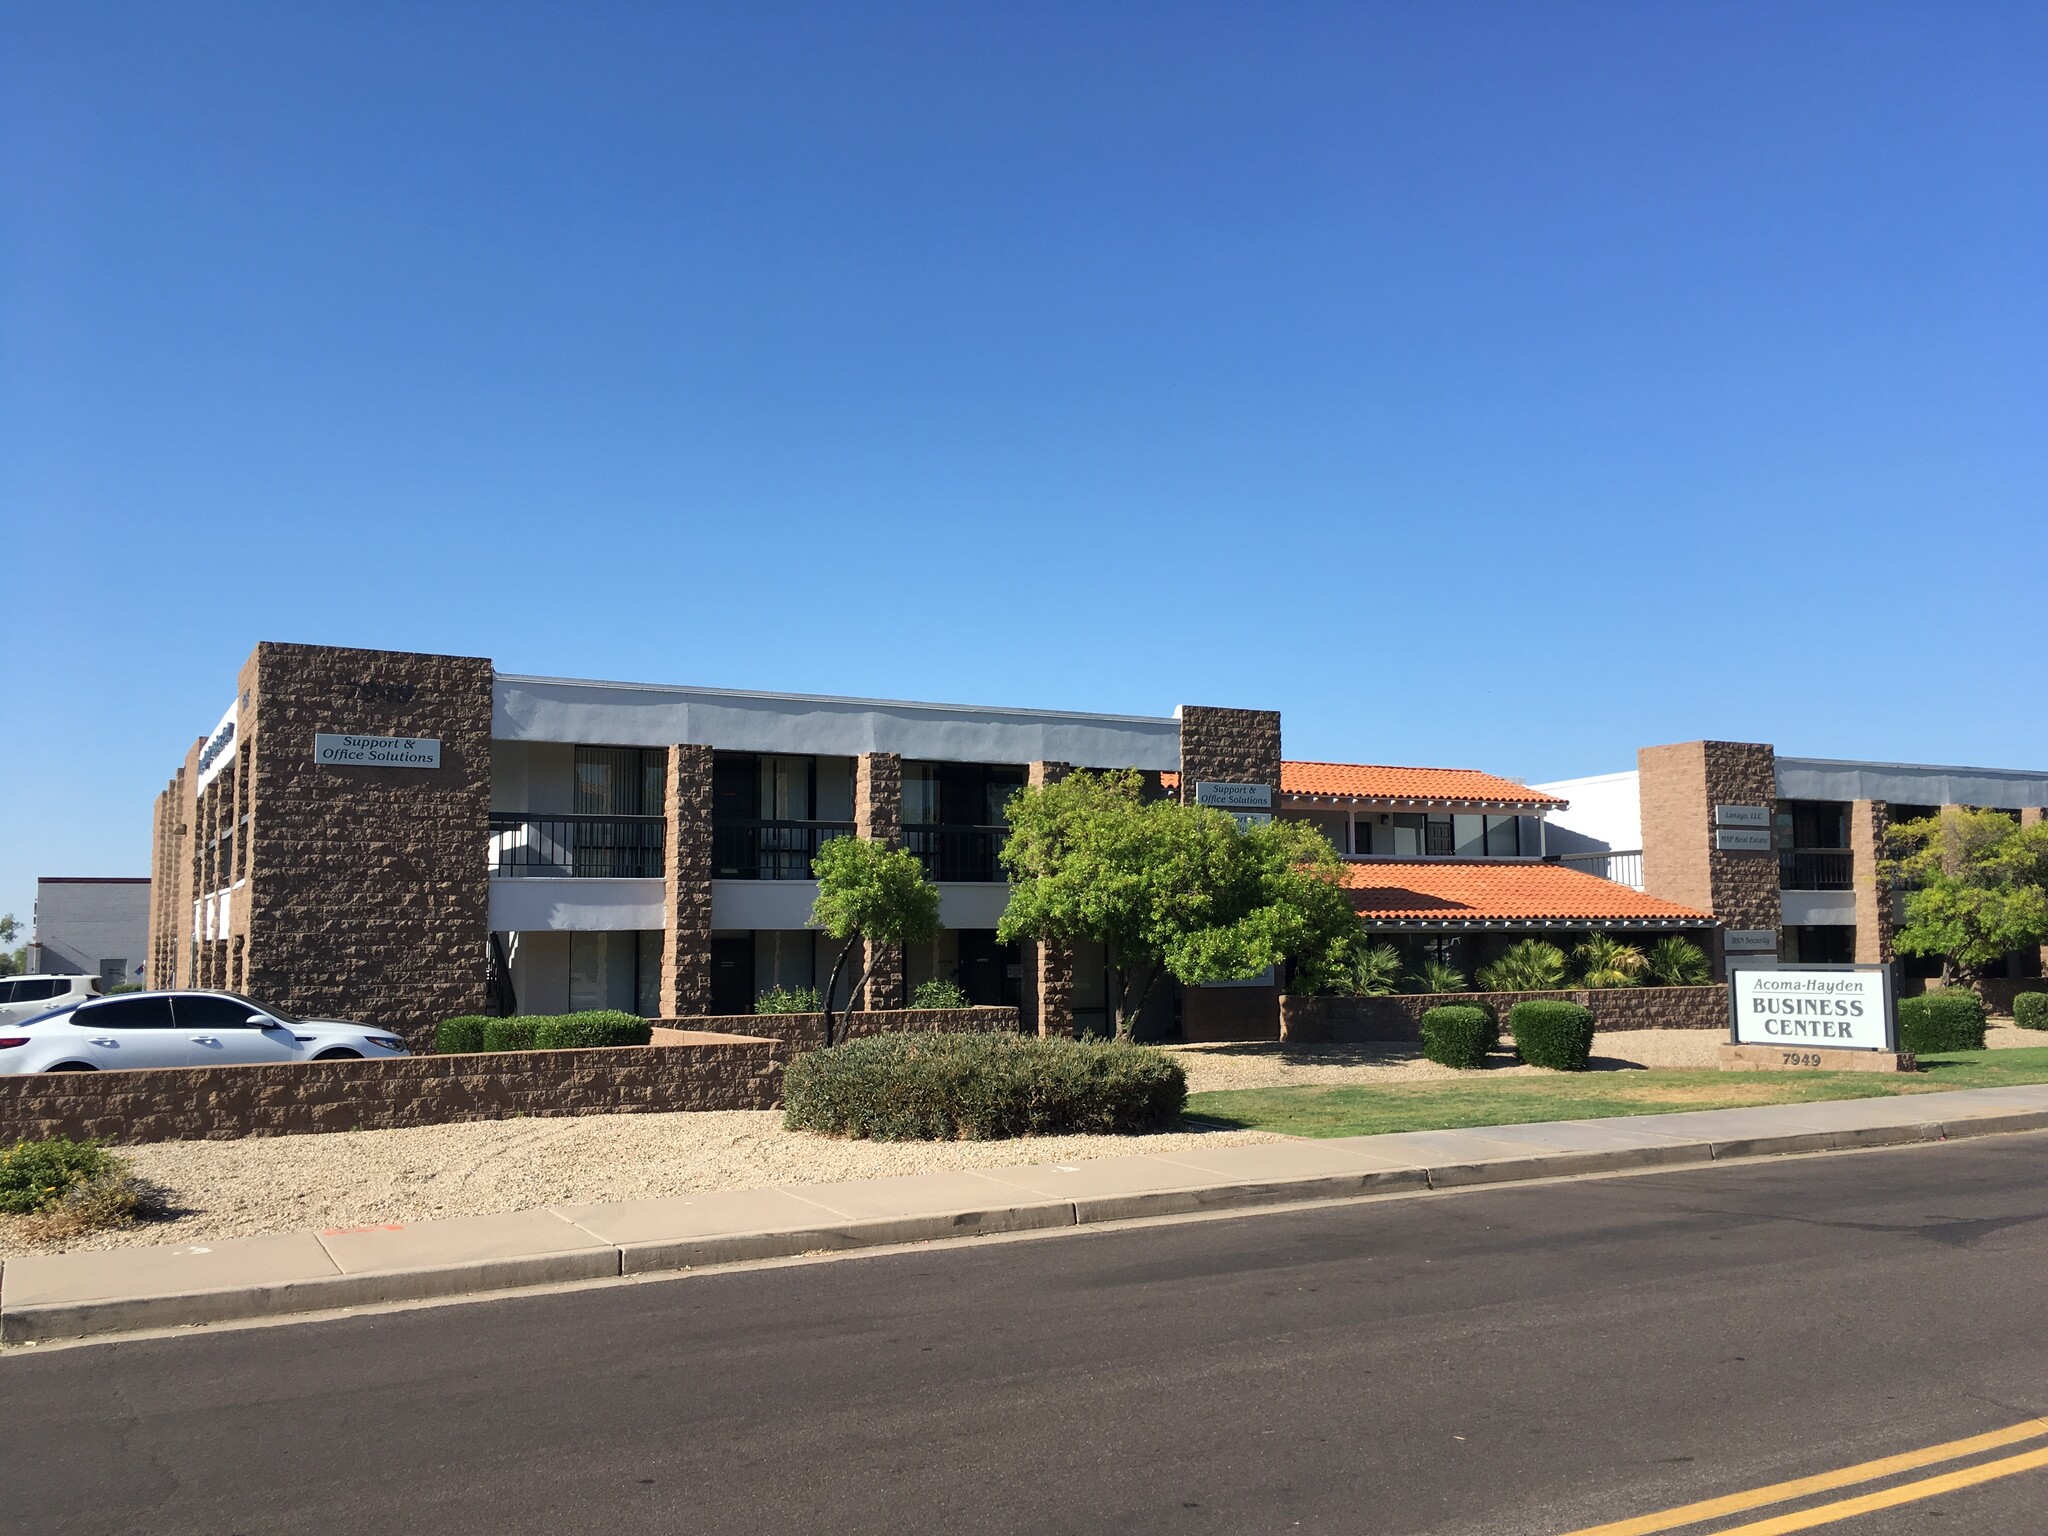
x=36 y=991
x=6 y=991
x=198 y=1011
x=124 y=1013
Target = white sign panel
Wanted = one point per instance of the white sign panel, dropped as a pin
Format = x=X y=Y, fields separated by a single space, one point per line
x=1736 y=840
x=1249 y=797
x=1837 y=1010
x=218 y=751
x=1750 y=941
x=1741 y=816
x=377 y=751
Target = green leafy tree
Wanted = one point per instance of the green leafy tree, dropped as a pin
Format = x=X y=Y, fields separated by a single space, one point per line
x=1605 y=961
x=1976 y=887
x=868 y=891
x=1531 y=965
x=12 y=961
x=1173 y=889
x=1676 y=962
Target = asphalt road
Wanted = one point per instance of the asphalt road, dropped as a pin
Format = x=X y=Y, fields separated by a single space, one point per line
x=1527 y=1360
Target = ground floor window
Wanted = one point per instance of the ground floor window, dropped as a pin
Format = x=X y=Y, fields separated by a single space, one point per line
x=1817 y=944
x=554 y=972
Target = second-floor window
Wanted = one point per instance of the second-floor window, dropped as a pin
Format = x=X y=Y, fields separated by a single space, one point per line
x=953 y=816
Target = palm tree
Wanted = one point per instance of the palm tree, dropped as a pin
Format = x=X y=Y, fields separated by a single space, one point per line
x=1676 y=962
x=1530 y=966
x=1435 y=976
x=1376 y=971
x=1606 y=961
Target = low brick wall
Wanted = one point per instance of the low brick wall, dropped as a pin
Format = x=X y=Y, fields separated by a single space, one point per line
x=219 y=1103
x=1352 y=1020
x=806 y=1031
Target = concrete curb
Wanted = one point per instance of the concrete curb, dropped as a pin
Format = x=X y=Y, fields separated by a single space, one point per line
x=1502 y=1161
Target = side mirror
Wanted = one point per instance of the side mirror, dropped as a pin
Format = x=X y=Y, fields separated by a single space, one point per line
x=259 y=1021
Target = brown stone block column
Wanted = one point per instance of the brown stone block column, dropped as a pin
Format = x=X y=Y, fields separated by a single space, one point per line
x=1868 y=822
x=1679 y=787
x=686 y=856
x=1228 y=746
x=878 y=814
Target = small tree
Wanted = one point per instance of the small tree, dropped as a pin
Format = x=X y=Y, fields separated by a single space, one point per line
x=869 y=891
x=12 y=961
x=1173 y=889
x=1976 y=888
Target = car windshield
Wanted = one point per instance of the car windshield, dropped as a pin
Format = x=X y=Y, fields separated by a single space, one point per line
x=255 y=1007
x=54 y=1013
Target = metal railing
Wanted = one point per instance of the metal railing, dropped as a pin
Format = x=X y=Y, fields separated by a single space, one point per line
x=577 y=847
x=957 y=853
x=1816 y=869
x=770 y=850
x=1623 y=868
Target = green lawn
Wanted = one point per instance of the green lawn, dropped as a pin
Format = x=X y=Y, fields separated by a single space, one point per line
x=1486 y=1098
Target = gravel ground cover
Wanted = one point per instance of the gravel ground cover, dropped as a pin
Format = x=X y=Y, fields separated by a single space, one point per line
x=220 y=1189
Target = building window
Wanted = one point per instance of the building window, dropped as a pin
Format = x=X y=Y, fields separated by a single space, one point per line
x=1503 y=837
x=954 y=816
x=1818 y=944
x=621 y=781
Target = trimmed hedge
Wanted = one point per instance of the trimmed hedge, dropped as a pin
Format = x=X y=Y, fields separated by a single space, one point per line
x=574 y=1031
x=461 y=1036
x=2030 y=1010
x=981 y=1087
x=1552 y=1034
x=540 y=1032
x=1949 y=1020
x=1459 y=1034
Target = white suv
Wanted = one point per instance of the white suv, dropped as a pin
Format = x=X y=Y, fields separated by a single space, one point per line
x=23 y=997
x=179 y=1029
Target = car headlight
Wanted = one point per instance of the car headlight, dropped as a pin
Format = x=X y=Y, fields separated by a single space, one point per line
x=386 y=1042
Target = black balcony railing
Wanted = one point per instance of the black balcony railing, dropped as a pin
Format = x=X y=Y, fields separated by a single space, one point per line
x=577 y=847
x=957 y=853
x=1816 y=869
x=770 y=850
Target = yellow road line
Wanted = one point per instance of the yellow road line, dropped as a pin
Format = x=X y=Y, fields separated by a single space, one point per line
x=1844 y=1477
x=1905 y=1493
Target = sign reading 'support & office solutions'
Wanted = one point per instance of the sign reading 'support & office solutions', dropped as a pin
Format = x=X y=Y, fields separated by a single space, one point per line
x=377 y=751
x=1837 y=1008
x=1234 y=797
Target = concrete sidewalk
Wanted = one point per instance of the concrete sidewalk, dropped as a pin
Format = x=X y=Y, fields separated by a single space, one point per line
x=81 y=1294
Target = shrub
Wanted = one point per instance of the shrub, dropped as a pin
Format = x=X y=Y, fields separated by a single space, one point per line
x=2030 y=1010
x=1552 y=1034
x=1374 y=971
x=1529 y=966
x=789 y=1000
x=460 y=1036
x=1460 y=1034
x=38 y=1175
x=1609 y=962
x=571 y=1031
x=1676 y=962
x=937 y=994
x=1949 y=1020
x=1435 y=976
x=979 y=1087
x=514 y=1034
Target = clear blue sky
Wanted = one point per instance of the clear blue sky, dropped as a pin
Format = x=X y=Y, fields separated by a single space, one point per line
x=1505 y=385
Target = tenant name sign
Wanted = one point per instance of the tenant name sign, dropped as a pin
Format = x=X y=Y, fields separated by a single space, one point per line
x=1234 y=797
x=1830 y=1008
x=377 y=751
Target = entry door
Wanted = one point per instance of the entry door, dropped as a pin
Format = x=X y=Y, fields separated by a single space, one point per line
x=732 y=973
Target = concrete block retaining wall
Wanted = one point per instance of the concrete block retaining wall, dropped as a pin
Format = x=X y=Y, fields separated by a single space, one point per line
x=1348 y=1020
x=219 y=1103
x=806 y=1031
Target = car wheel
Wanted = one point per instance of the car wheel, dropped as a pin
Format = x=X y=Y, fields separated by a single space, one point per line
x=339 y=1054
x=72 y=1066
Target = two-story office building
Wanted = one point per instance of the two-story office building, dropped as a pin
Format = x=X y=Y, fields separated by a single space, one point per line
x=1786 y=851
x=377 y=834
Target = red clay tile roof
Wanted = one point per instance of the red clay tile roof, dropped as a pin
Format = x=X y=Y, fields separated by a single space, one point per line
x=1458 y=891
x=1442 y=786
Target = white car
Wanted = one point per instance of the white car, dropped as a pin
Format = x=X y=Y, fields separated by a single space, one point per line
x=179 y=1029
x=23 y=997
